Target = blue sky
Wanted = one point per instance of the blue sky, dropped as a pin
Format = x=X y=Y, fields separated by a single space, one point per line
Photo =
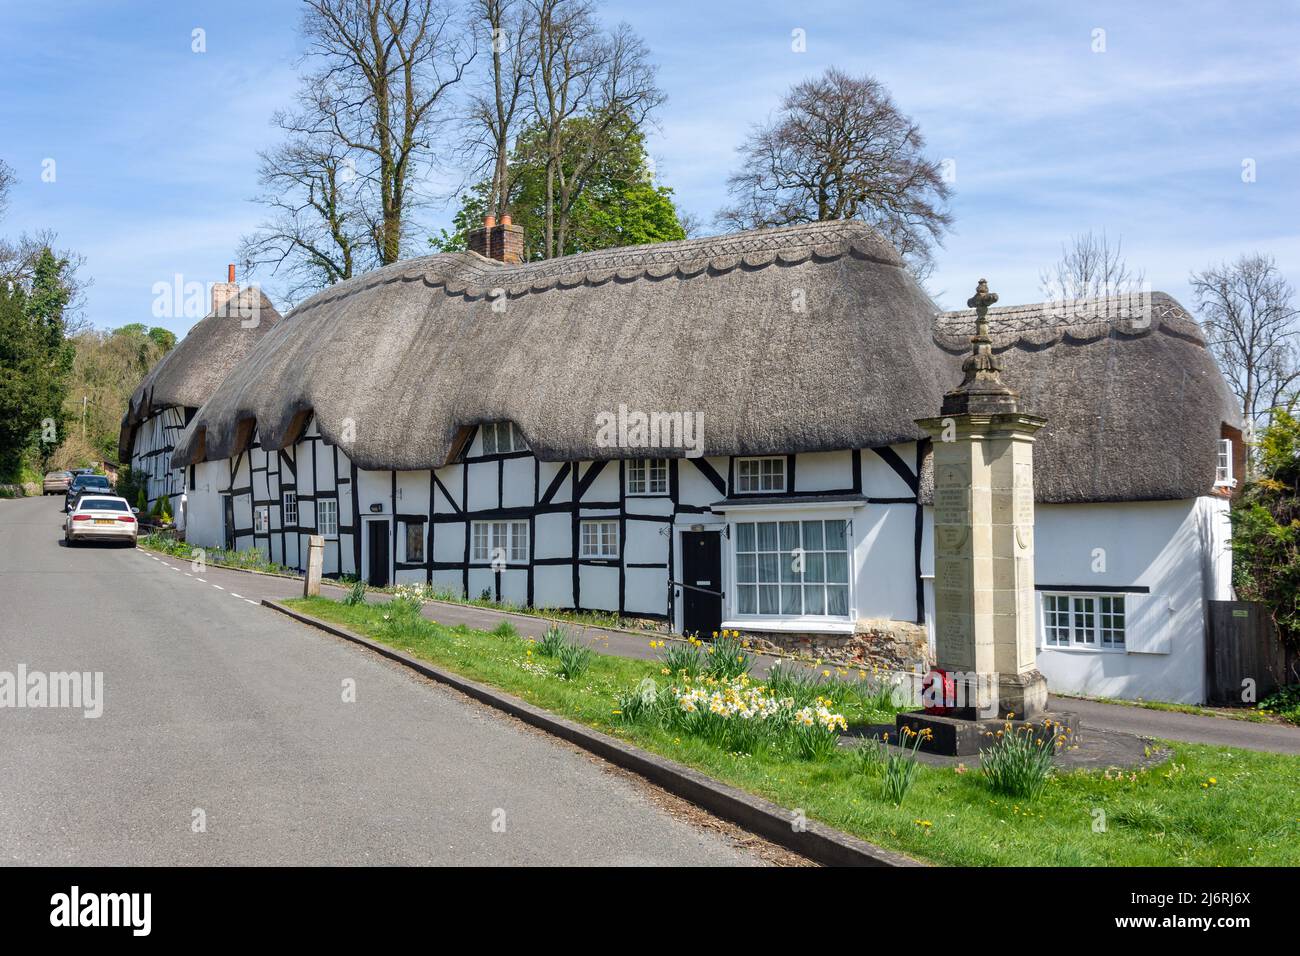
x=155 y=146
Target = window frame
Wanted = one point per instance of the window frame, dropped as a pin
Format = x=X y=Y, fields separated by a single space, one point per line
x=813 y=577
x=758 y=460
x=333 y=504
x=514 y=438
x=1223 y=476
x=647 y=484
x=1092 y=621
x=516 y=544
x=286 y=510
x=406 y=541
x=607 y=548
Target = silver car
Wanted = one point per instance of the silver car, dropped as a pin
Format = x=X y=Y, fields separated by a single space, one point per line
x=101 y=518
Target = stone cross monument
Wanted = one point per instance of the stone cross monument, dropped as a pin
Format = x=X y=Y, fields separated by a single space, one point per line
x=983 y=548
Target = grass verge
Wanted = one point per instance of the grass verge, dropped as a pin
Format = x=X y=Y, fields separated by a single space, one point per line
x=250 y=559
x=1207 y=806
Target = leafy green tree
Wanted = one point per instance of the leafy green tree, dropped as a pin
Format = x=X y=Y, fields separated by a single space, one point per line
x=19 y=360
x=1266 y=528
x=165 y=339
x=616 y=201
x=35 y=360
x=44 y=306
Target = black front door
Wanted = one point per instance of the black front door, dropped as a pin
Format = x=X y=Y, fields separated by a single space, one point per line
x=378 y=554
x=228 y=520
x=701 y=568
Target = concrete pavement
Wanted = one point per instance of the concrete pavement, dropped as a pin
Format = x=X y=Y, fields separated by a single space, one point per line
x=223 y=717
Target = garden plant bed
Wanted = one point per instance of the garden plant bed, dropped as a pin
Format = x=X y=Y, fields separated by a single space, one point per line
x=1203 y=806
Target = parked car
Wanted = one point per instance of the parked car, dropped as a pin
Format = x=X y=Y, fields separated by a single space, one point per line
x=101 y=518
x=82 y=483
x=55 y=482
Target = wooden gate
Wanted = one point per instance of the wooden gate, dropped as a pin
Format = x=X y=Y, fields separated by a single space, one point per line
x=1241 y=644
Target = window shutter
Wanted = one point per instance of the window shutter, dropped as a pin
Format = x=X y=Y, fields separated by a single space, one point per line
x=1147 y=617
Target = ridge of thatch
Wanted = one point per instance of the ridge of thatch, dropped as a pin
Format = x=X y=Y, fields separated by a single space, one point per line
x=799 y=339
x=190 y=373
x=1134 y=401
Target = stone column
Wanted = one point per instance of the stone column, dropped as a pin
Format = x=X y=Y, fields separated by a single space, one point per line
x=984 y=537
x=315 y=562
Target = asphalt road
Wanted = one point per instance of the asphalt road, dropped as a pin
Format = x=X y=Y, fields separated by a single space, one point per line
x=219 y=712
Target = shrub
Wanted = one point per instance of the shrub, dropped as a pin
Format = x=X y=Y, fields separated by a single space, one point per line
x=552 y=641
x=727 y=658
x=572 y=660
x=1020 y=760
x=505 y=629
x=1285 y=702
x=356 y=594
x=900 y=766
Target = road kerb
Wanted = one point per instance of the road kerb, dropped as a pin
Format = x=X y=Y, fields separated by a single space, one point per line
x=816 y=841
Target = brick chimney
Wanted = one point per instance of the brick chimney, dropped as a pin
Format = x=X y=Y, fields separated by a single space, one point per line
x=502 y=240
x=223 y=292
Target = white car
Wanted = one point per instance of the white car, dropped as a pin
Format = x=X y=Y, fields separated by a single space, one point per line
x=101 y=518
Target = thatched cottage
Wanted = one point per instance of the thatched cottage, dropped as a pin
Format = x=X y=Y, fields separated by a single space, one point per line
x=721 y=433
x=165 y=401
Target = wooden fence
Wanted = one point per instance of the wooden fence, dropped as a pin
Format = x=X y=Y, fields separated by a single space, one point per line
x=1242 y=646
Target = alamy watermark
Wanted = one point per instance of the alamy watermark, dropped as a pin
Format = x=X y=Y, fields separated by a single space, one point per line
x=638 y=429
x=71 y=690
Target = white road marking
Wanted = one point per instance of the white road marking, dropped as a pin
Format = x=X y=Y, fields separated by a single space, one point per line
x=218 y=587
x=233 y=594
x=201 y=580
x=254 y=603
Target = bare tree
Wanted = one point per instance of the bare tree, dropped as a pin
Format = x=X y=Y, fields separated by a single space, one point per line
x=691 y=224
x=7 y=181
x=1249 y=314
x=387 y=67
x=1090 y=268
x=586 y=87
x=18 y=266
x=371 y=109
x=500 y=107
x=839 y=148
x=317 y=231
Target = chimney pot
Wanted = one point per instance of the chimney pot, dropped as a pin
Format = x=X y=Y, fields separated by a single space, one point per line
x=505 y=220
x=223 y=292
x=489 y=222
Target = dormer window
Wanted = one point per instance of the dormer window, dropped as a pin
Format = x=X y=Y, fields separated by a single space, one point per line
x=501 y=438
x=1223 y=470
x=647 y=476
x=757 y=475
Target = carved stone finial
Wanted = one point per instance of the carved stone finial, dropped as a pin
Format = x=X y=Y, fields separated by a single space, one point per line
x=982 y=298
x=982 y=388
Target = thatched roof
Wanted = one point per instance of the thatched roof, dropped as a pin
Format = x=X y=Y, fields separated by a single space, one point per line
x=1133 y=400
x=189 y=374
x=806 y=338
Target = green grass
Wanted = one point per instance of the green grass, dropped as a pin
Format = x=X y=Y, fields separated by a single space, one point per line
x=1167 y=815
x=605 y=619
x=1258 y=714
x=250 y=559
